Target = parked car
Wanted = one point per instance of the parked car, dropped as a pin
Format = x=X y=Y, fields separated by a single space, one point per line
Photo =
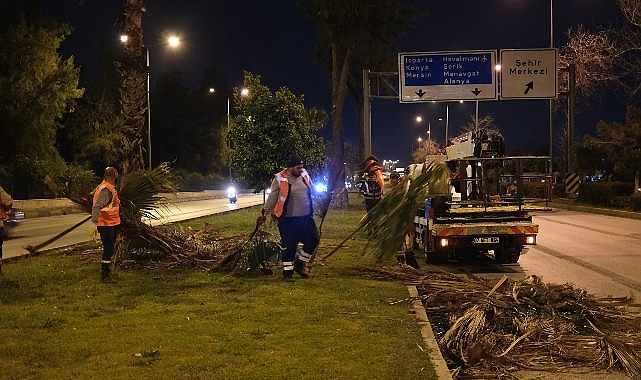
x=15 y=217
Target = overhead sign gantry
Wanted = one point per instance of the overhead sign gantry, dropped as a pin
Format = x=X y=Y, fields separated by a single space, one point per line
x=439 y=76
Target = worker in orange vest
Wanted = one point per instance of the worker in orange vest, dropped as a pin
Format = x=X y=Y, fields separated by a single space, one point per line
x=371 y=184
x=105 y=214
x=5 y=205
x=290 y=202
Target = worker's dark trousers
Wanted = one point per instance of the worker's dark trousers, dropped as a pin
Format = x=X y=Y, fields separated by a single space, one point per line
x=370 y=202
x=294 y=230
x=108 y=238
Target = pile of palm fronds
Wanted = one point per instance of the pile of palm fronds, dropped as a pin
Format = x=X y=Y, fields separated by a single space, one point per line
x=169 y=246
x=484 y=326
x=164 y=246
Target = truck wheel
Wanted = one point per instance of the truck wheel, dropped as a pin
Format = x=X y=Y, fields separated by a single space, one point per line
x=507 y=255
x=435 y=258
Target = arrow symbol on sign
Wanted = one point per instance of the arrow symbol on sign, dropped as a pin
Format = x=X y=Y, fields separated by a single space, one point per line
x=476 y=91
x=420 y=93
x=528 y=87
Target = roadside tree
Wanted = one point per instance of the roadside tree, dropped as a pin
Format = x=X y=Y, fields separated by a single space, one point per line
x=37 y=87
x=425 y=148
x=352 y=34
x=623 y=145
x=132 y=88
x=269 y=126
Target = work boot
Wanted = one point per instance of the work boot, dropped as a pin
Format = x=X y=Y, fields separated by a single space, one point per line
x=107 y=280
x=299 y=267
x=287 y=275
x=105 y=274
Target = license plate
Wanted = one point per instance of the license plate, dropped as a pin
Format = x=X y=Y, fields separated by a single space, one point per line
x=486 y=240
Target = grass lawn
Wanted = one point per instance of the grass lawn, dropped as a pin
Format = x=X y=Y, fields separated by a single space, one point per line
x=57 y=321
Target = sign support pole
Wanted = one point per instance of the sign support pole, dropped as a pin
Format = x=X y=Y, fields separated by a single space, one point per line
x=367 y=116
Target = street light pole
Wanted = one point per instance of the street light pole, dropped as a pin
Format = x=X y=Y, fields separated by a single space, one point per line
x=550 y=101
x=148 y=111
x=447 y=122
x=229 y=138
x=172 y=41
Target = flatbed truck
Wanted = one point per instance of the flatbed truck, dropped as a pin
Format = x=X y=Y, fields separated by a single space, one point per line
x=487 y=211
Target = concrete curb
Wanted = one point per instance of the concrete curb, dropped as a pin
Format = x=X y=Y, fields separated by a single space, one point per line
x=434 y=352
x=597 y=210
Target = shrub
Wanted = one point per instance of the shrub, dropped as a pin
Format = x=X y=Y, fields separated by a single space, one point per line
x=603 y=193
x=192 y=182
x=534 y=189
x=628 y=202
x=215 y=181
x=558 y=190
x=73 y=181
x=29 y=175
x=635 y=202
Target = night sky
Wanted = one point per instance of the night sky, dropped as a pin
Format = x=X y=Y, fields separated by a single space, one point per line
x=275 y=40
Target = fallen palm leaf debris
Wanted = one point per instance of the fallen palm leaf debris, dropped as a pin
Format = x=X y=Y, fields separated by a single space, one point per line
x=142 y=245
x=486 y=327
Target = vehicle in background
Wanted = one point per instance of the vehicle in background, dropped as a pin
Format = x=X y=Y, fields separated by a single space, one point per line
x=231 y=194
x=15 y=217
x=320 y=187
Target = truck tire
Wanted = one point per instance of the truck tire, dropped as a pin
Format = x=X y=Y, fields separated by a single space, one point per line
x=435 y=257
x=507 y=255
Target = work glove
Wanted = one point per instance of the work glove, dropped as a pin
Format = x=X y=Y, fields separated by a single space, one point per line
x=92 y=231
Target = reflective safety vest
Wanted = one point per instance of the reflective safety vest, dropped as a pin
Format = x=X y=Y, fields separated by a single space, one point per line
x=5 y=201
x=110 y=214
x=283 y=185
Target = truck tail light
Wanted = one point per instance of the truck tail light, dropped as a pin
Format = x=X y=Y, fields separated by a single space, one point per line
x=443 y=242
x=530 y=239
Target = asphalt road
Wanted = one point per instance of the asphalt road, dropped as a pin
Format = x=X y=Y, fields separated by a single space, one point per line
x=33 y=231
x=598 y=253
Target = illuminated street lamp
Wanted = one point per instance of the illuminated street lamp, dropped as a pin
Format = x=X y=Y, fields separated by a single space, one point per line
x=172 y=41
x=243 y=92
x=419 y=119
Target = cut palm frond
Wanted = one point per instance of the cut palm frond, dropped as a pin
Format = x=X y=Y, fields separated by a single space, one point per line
x=483 y=328
x=139 y=191
x=393 y=217
x=163 y=246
